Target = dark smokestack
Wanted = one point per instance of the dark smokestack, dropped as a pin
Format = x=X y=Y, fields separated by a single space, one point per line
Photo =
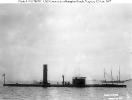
x=63 y=79
x=45 y=74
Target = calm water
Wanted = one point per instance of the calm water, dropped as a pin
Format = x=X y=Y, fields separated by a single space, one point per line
x=62 y=93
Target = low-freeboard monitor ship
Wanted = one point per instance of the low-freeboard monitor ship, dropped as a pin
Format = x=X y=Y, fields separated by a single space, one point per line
x=76 y=82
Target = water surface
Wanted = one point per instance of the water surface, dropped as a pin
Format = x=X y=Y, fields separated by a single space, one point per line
x=66 y=93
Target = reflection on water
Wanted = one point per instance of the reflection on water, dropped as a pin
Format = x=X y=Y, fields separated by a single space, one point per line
x=63 y=93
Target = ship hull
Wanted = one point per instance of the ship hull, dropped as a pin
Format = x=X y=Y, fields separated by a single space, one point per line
x=112 y=81
x=55 y=85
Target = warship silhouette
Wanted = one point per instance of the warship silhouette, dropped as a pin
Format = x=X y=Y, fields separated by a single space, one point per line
x=76 y=82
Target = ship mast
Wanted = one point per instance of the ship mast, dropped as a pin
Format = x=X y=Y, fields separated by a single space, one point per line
x=4 y=77
x=111 y=74
x=104 y=74
x=119 y=73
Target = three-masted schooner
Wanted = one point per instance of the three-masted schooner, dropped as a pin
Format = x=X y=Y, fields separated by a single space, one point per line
x=112 y=79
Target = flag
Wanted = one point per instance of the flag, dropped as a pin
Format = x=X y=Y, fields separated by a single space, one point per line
x=3 y=74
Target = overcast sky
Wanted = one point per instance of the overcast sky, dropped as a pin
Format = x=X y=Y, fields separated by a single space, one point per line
x=68 y=38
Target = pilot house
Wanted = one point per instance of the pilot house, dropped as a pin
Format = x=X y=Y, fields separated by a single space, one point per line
x=78 y=80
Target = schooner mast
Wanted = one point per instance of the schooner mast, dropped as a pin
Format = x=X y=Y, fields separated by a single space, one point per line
x=112 y=80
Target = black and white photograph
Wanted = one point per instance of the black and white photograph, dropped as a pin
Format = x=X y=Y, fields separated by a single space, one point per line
x=79 y=50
